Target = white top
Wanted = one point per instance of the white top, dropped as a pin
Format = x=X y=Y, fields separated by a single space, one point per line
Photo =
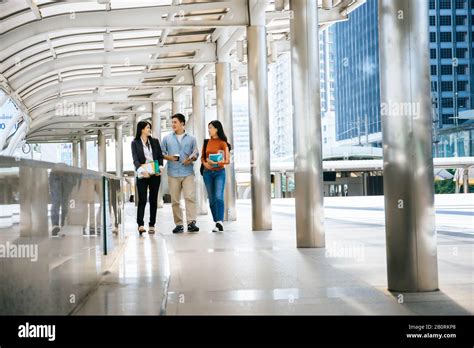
x=147 y=152
x=180 y=137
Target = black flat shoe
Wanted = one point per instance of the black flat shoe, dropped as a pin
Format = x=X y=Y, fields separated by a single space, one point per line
x=178 y=229
x=192 y=227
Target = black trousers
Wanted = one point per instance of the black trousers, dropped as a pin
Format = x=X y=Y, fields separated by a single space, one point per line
x=152 y=183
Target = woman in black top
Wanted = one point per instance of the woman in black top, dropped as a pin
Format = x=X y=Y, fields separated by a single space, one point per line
x=146 y=149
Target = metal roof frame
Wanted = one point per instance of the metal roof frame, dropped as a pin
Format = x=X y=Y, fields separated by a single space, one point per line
x=122 y=54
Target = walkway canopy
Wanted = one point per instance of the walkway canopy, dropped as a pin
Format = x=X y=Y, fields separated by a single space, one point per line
x=77 y=67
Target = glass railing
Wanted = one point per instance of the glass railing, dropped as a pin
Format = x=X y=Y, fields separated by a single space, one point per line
x=60 y=228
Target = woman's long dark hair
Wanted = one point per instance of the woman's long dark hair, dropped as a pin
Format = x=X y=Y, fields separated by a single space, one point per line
x=140 y=126
x=220 y=130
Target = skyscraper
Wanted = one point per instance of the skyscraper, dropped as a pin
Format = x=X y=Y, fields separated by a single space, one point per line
x=280 y=98
x=281 y=120
x=452 y=73
x=452 y=76
x=240 y=113
x=326 y=62
x=357 y=77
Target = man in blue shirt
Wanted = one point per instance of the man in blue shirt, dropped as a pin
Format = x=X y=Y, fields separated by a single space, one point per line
x=180 y=150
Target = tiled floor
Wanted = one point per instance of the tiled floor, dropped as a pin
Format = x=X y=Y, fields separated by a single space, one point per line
x=138 y=281
x=242 y=271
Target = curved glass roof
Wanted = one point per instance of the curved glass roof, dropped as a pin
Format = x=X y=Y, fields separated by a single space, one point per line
x=120 y=55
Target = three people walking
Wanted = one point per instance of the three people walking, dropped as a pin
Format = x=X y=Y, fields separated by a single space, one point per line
x=180 y=149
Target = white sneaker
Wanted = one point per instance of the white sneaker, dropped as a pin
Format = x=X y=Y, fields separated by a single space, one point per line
x=215 y=229
x=220 y=226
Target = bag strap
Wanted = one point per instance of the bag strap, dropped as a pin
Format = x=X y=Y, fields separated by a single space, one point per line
x=206 y=141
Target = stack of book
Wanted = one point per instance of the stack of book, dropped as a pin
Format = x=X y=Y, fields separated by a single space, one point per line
x=153 y=168
x=215 y=157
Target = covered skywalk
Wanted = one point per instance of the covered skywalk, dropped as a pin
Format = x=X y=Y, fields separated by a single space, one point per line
x=80 y=71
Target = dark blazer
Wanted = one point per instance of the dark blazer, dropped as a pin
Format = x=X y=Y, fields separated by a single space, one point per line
x=139 y=156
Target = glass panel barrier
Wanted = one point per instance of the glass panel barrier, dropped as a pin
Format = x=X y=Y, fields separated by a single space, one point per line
x=60 y=228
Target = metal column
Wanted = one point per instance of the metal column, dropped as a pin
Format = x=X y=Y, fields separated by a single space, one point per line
x=176 y=108
x=83 y=153
x=259 y=128
x=365 y=179
x=156 y=132
x=190 y=124
x=102 y=158
x=309 y=189
x=118 y=150
x=75 y=153
x=200 y=134
x=457 y=188
x=176 y=104
x=224 y=115
x=155 y=122
x=407 y=146
x=465 y=180
x=135 y=124
x=277 y=185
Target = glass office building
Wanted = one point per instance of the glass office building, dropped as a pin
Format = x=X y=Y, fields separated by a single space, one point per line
x=280 y=99
x=452 y=75
x=357 y=76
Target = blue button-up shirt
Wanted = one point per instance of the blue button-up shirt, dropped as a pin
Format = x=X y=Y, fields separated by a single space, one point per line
x=170 y=146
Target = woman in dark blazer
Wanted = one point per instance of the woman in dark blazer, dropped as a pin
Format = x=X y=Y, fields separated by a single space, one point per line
x=146 y=149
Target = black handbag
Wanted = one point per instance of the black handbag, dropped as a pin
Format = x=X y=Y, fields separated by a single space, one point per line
x=204 y=156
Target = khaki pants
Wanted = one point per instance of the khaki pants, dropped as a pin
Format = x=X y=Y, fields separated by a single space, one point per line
x=187 y=186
